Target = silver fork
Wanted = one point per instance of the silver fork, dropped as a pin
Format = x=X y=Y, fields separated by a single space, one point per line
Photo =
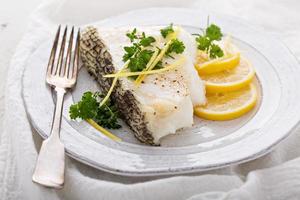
x=49 y=170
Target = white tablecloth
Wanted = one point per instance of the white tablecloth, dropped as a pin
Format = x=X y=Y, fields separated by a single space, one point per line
x=274 y=176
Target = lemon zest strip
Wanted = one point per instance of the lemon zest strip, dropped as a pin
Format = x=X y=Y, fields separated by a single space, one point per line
x=159 y=57
x=113 y=85
x=103 y=130
x=166 y=68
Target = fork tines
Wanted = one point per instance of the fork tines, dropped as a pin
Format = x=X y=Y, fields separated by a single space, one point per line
x=65 y=65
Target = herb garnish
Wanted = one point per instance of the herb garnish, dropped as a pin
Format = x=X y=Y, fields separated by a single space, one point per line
x=137 y=55
x=205 y=42
x=139 y=62
x=89 y=108
x=146 y=41
x=175 y=47
x=132 y=35
x=141 y=51
x=166 y=31
x=136 y=48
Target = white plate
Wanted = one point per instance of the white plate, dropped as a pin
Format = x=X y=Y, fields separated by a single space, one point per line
x=208 y=144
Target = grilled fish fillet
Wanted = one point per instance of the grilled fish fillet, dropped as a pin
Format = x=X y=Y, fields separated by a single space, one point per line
x=164 y=102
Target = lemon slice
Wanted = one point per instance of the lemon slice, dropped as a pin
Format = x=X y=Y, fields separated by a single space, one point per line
x=230 y=80
x=227 y=106
x=219 y=64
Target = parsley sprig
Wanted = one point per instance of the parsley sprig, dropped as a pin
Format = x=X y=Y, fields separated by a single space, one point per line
x=176 y=46
x=137 y=54
x=206 y=41
x=141 y=50
x=89 y=108
x=167 y=30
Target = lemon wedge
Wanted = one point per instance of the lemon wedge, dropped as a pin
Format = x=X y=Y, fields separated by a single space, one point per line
x=218 y=65
x=230 y=80
x=227 y=106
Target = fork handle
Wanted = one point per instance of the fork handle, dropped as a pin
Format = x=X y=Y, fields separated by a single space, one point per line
x=55 y=130
x=50 y=166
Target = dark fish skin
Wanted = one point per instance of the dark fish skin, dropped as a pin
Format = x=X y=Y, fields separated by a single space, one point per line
x=97 y=59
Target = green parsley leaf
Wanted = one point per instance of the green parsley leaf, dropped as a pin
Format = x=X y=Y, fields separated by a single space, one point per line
x=129 y=52
x=215 y=51
x=88 y=108
x=213 y=32
x=176 y=46
x=140 y=60
x=205 y=42
x=147 y=41
x=166 y=31
x=132 y=35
